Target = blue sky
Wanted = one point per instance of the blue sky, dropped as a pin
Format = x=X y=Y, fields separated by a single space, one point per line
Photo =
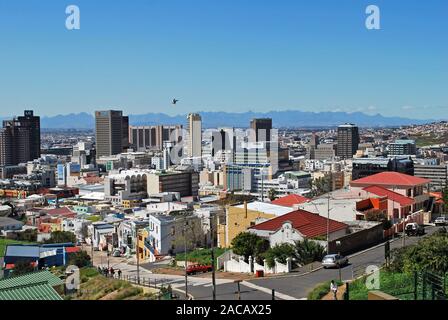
x=225 y=55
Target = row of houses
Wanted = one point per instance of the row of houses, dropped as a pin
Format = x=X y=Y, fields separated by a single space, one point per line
x=393 y=196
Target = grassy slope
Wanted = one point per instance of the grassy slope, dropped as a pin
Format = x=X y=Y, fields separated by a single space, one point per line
x=400 y=285
x=98 y=287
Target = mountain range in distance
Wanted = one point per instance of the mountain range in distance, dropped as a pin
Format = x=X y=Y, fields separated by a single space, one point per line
x=280 y=119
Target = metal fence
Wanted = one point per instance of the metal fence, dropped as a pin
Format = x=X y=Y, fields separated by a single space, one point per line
x=421 y=285
x=166 y=292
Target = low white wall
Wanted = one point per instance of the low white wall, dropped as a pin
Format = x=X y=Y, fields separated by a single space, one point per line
x=239 y=266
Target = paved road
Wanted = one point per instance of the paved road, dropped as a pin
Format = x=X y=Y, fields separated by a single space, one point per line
x=287 y=287
x=299 y=286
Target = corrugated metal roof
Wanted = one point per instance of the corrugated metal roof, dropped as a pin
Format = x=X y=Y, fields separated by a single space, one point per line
x=30 y=278
x=266 y=208
x=22 y=251
x=34 y=291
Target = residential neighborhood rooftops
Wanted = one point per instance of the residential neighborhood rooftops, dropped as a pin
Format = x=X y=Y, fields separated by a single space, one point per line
x=5 y=221
x=390 y=179
x=31 y=278
x=308 y=224
x=266 y=208
x=29 y=251
x=36 y=291
x=64 y=211
x=396 y=197
x=290 y=200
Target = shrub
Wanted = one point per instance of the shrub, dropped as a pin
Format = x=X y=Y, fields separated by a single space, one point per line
x=249 y=244
x=280 y=252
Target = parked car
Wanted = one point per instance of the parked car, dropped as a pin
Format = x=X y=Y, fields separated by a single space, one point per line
x=198 y=268
x=441 y=221
x=334 y=261
x=116 y=253
x=414 y=229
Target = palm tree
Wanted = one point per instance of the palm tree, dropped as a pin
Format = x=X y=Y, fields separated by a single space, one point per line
x=272 y=194
x=308 y=251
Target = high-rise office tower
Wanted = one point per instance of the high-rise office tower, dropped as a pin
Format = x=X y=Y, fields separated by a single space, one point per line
x=348 y=140
x=109 y=132
x=6 y=147
x=145 y=137
x=125 y=131
x=32 y=122
x=262 y=129
x=223 y=140
x=194 y=135
x=20 y=140
x=314 y=142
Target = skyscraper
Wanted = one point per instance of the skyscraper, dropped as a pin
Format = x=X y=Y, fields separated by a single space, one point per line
x=145 y=137
x=348 y=140
x=262 y=128
x=32 y=122
x=20 y=140
x=125 y=132
x=110 y=131
x=261 y=135
x=194 y=135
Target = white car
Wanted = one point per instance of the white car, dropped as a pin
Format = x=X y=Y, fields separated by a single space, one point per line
x=441 y=221
x=334 y=261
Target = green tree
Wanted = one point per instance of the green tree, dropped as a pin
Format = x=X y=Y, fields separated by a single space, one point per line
x=308 y=251
x=80 y=259
x=445 y=197
x=62 y=237
x=22 y=267
x=322 y=185
x=430 y=254
x=280 y=252
x=272 y=194
x=249 y=244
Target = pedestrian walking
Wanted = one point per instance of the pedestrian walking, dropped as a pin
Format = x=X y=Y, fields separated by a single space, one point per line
x=112 y=272
x=334 y=289
x=119 y=274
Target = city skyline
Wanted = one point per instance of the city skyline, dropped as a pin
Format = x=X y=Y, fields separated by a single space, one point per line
x=298 y=56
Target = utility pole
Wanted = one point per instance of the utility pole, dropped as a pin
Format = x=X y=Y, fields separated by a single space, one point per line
x=239 y=289
x=137 y=254
x=91 y=249
x=213 y=257
x=186 y=260
x=404 y=227
x=262 y=184
x=328 y=218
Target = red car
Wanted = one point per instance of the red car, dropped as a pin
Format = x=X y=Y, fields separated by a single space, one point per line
x=198 y=268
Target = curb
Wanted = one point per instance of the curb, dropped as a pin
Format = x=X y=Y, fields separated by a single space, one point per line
x=183 y=292
x=268 y=291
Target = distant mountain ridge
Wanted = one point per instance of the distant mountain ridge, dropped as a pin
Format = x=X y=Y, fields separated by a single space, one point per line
x=228 y=119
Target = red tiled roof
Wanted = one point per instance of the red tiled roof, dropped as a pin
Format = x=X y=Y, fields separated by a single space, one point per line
x=9 y=266
x=394 y=196
x=290 y=200
x=309 y=224
x=64 y=211
x=390 y=179
x=438 y=197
